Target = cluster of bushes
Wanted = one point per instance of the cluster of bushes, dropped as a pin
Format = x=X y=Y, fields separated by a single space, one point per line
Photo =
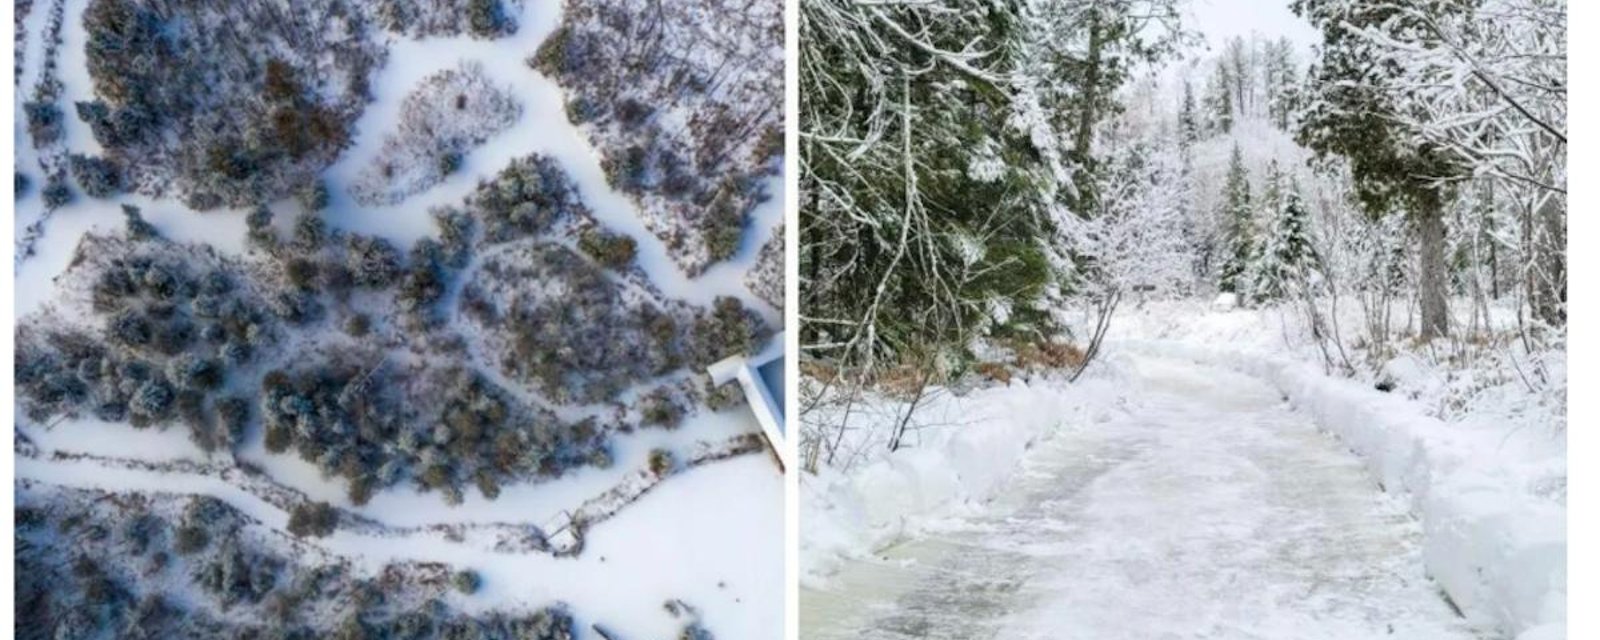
x=484 y=19
x=445 y=116
x=723 y=224
x=579 y=339
x=315 y=519
x=706 y=171
x=98 y=177
x=336 y=417
x=77 y=579
x=236 y=574
x=524 y=199
x=317 y=261
x=728 y=329
x=436 y=621
x=559 y=54
x=425 y=279
x=355 y=420
x=719 y=209
x=726 y=396
x=178 y=99
x=56 y=192
x=587 y=343
x=765 y=279
x=45 y=123
x=660 y=409
x=693 y=631
x=171 y=334
x=74 y=582
x=613 y=250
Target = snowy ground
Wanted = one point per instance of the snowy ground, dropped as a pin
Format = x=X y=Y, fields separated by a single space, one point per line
x=1207 y=480
x=1206 y=510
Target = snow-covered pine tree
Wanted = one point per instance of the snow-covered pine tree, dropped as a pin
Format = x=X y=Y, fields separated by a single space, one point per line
x=1265 y=216
x=1287 y=252
x=1271 y=193
x=1219 y=100
x=929 y=177
x=1188 y=119
x=1237 y=227
x=1239 y=60
x=1282 y=83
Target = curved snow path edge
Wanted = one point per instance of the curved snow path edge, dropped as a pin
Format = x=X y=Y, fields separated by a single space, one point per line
x=892 y=498
x=1499 y=555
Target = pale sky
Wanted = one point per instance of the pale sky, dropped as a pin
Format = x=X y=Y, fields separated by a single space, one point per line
x=1220 y=20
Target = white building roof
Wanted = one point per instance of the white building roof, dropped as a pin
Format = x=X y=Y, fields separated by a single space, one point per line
x=761 y=376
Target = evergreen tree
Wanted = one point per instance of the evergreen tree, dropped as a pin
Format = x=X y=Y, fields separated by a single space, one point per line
x=1283 y=92
x=1188 y=120
x=1272 y=192
x=1219 y=100
x=1352 y=114
x=1239 y=62
x=1091 y=49
x=1237 y=227
x=1286 y=251
x=918 y=211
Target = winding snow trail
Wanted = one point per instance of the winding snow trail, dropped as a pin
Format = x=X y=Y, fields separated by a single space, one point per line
x=1210 y=511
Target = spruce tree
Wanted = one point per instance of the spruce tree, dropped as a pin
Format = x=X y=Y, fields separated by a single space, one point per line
x=1188 y=120
x=919 y=211
x=1283 y=94
x=1237 y=227
x=1286 y=252
x=1272 y=194
x=1219 y=100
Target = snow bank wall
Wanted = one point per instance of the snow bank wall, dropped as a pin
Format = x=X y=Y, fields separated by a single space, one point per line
x=1498 y=551
x=968 y=448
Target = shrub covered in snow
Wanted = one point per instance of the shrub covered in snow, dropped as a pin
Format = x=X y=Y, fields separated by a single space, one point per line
x=580 y=337
x=75 y=581
x=171 y=326
x=225 y=103
x=765 y=279
x=525 y=199
x=375 y=426
x=686 y=128
x=466 y=581
x=445 y=117
x=484 y=19
x=316 y=519
x=613 y=250
x=98 y=177
x=56 y=192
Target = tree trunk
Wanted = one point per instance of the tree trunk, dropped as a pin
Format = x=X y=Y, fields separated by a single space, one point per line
x=1083 y=137
x=1432 y=281
x=1547 y=283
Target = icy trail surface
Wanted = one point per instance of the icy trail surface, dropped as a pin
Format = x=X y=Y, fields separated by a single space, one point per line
x=1211 y=510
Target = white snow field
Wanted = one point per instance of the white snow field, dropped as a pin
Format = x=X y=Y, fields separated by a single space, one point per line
x=1201 y=482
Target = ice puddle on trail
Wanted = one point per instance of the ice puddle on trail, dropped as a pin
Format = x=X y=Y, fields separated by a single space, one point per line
x=1210 y=511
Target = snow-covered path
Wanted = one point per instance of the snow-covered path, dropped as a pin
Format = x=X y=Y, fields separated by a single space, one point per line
x=1210 y=511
